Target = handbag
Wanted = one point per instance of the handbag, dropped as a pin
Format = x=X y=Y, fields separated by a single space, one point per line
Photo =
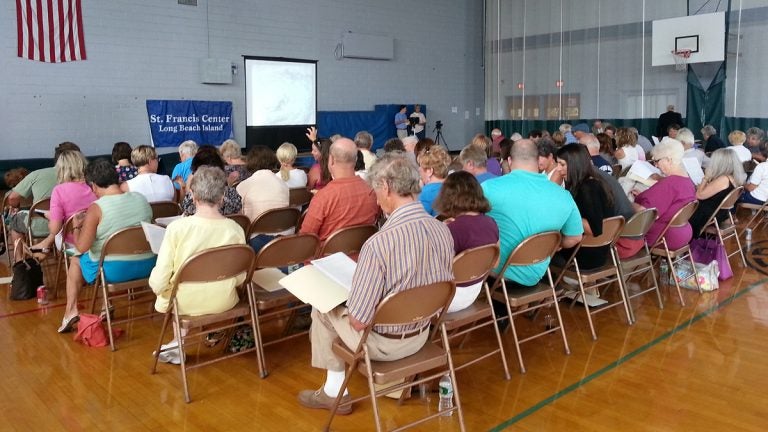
x=706 y=250
x=707 y=275
x=91 y=331
x=27 y=276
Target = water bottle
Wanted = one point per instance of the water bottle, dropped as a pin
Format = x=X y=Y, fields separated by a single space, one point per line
x=749 y=234
x=446 y=395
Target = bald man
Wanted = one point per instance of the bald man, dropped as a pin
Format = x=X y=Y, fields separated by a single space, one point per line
x=346 y=201
x=524 y=203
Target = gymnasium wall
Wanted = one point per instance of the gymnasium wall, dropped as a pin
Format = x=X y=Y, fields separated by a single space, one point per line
x=601 y=50
x=150 y=49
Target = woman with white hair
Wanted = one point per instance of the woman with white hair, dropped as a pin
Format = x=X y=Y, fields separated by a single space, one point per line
x=725 y=173
x=234 y=165
x=668 y=195
x=685 y=136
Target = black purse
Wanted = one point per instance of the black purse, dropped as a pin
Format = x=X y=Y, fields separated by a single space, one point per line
x=27 y=276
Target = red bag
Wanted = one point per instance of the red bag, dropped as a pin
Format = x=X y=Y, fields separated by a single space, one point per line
x=91 y=331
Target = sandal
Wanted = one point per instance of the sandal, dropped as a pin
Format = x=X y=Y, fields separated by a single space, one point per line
x=67 y=325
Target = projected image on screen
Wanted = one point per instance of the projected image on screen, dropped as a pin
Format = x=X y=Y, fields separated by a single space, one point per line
x=280 y=93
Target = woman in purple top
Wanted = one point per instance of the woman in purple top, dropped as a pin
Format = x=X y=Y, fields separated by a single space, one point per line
x=461 y=200
x=68 y=197
x=668 y=195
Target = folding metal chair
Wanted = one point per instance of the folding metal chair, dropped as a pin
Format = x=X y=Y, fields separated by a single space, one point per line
x=661 y=248
x=759 y=215
x=281 y=252
x=473 y=266
x=210 y=265
x=163 y=209
x=299 y=197
x=605 y=275
x=25 y=204
x=38 y=211
x=348 y=240
x=242 y=220
x=533 y=250
x=64 y=251
x=726 y=229
x=126 y=242
x=420 y=304
x=274 y=221
x=641 y=262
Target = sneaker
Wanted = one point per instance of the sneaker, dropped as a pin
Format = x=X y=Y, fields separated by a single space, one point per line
x=317 y=399
x=169 y=353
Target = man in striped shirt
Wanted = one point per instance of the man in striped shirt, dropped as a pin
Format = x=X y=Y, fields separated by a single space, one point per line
x=411 y=249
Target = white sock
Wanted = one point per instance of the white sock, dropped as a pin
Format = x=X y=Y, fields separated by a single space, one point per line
x=333 y=382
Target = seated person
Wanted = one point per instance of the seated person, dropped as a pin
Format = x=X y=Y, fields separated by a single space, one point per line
x=183 y=169
x=756 y=189
x=668 y=195
x=724 y=174
x=474 y=160
x=235 y=167
x=461 y=200
x=70 y=196
x=433 y=168
x=121 y=157
x=38 y=185
x=232 y=203
x=110 y=213
x=737 y=139
x=292 y=176
x=206 y=229
x=148 y=182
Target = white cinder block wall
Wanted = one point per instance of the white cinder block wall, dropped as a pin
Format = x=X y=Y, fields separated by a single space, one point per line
x=149 y=49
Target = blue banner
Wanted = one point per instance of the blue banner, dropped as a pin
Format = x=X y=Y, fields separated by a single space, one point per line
x=175 y=121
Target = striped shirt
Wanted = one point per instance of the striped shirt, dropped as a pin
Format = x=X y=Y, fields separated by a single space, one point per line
x=412 y=249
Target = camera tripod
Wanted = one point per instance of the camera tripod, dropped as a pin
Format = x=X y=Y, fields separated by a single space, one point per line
x=439 y=136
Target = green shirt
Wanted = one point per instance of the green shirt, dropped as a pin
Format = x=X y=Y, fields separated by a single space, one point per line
x=38 y=184
x=117 y=212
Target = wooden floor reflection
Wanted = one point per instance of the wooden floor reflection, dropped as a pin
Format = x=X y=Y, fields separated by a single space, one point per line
x=699 y=367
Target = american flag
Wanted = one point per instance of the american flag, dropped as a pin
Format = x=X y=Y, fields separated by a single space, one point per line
x=50 y=30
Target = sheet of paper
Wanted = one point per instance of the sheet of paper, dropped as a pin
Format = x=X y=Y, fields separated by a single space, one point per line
x=643 y=169
x=312 y=286
x=338 y=267
x=592 y=300
x=154 y=235
x=268 y=279
x=655 y=140
x=165 y=221
x=694 y=170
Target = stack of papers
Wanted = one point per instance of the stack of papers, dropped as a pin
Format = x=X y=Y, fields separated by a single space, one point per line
x=325 y=283
x=155 y=235
x=641 y=171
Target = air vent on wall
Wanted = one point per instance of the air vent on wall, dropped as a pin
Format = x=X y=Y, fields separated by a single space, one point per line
x=188 y=2
x=365 y=46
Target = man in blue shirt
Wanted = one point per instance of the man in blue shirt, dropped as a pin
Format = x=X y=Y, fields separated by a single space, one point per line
x=401 y=123
x=183 y=169
x=524 y=203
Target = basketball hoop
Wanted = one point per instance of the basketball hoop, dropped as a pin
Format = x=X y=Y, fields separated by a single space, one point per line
x=681 y=58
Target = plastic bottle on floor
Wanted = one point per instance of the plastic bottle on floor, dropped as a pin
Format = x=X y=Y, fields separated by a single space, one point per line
x=446 y=395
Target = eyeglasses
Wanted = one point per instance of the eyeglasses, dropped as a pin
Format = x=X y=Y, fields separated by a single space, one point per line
x=656 y=161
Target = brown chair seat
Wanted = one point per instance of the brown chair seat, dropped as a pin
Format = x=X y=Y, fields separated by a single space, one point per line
x=525 y=296
x=474 y=312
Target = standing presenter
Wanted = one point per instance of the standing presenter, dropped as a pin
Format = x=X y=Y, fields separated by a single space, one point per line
x=418 y=127
x=401 y=122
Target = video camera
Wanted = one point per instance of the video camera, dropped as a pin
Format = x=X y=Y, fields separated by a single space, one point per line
x=438 y=125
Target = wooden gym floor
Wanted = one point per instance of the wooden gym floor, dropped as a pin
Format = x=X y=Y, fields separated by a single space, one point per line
x=699 y=367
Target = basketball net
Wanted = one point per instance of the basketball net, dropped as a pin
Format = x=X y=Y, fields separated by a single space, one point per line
x=681 y=59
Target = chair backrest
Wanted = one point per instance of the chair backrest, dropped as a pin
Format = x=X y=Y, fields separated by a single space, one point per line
x=348 y=240
x=127 y=241
x=161 y=209
x=43 y=204
x=726 y=204
x=298 y=197
x=69 y=228
x=612 y=227
x=680 y=219
x=639 y=224
x=415 y=304
x=534 y=249
x=242 y=220
x=473 y=264
x=274 y=221
x=223 y=262
x=288 y=250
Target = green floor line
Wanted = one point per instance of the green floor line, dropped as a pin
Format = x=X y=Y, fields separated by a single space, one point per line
x=623 y=359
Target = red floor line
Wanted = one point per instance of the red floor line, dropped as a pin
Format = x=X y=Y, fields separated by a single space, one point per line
x=32 y=310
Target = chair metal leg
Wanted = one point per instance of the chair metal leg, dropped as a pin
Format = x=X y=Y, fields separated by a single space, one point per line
x=452 y=372
x=156 y=353
x=180 y=339
x=259 y=345
x=498 y=333
x=372 y=390
x=512 y=326
x=348 y=374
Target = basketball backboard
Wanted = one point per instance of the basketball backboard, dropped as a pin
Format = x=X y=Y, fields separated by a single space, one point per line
x=703 y=34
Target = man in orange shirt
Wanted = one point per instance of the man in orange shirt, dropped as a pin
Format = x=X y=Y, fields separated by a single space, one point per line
x=346 y=201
